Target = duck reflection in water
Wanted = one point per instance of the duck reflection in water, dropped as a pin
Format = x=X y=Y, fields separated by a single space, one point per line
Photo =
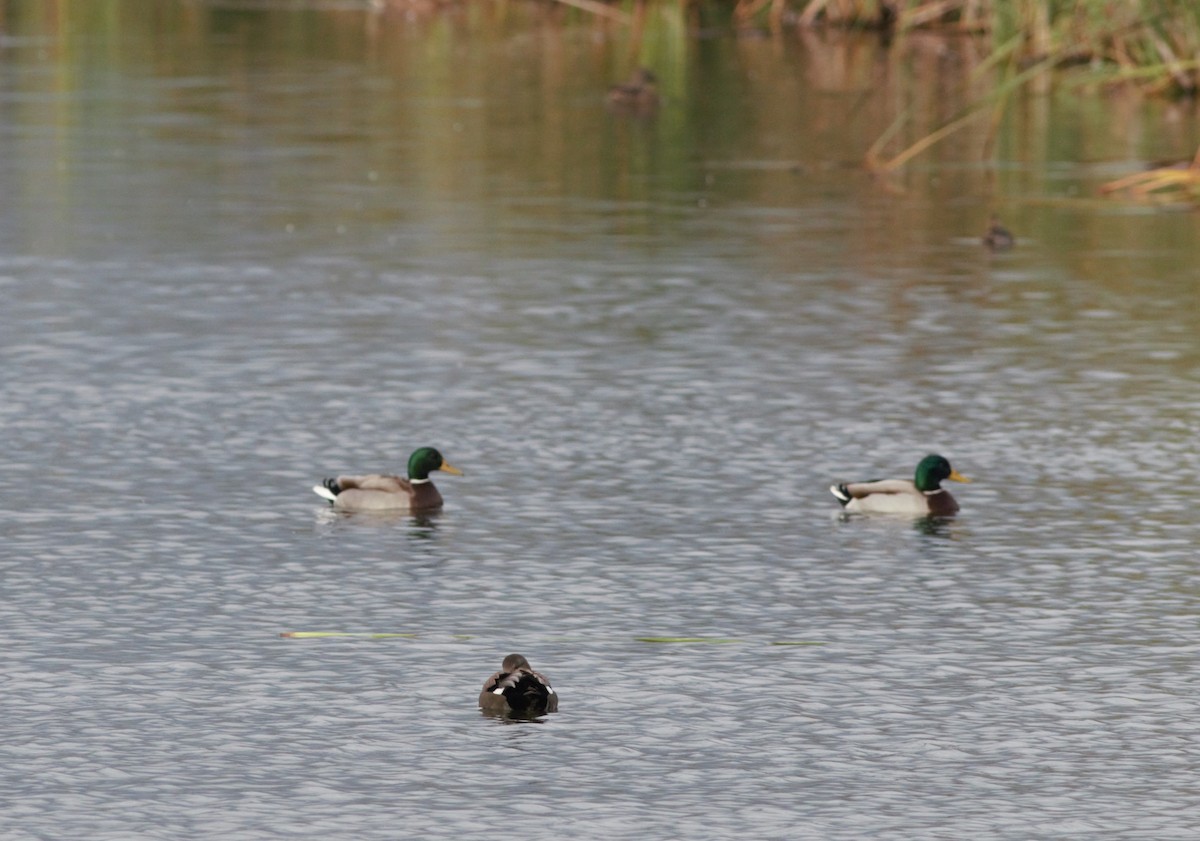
x=944 y=527
x=935 y=527
x=638 y=97
x=422 y=525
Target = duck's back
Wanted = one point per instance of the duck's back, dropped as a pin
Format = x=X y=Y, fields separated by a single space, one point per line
x=376 y=492
x=375 y=482
x=886 y=496
x=523 y=691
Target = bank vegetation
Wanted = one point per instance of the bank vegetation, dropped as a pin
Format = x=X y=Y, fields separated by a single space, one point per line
x=1153 y=45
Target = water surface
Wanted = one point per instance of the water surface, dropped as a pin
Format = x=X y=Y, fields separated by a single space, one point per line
x=243 y=250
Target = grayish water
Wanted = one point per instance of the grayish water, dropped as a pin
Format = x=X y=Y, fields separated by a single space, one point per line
x=231 y=268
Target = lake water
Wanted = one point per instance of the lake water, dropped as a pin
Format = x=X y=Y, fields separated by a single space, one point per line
x=246 y=247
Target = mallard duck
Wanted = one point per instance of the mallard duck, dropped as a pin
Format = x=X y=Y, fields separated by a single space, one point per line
x=997 y=237
x=518 y=689
x=375 y=492
x=922 y=496
x=637 y=96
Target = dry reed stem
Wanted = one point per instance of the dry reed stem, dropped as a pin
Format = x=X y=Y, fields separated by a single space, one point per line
x=596 y=8
x=1150 y=185
x=809 y=15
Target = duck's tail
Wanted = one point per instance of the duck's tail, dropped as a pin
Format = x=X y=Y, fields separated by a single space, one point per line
x=327 y=490
x=842 y=494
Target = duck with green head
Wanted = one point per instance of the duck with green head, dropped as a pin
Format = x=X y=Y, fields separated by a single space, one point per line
x=923 y=496
x=377 y=492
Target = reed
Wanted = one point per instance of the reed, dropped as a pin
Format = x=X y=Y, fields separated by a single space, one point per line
x=1152 y=44
x=1170 y=183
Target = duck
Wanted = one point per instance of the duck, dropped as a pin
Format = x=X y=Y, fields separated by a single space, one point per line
x=518 y=689
x=637 y=96
x=378 y=492
x=997 y=237
x=922 y=496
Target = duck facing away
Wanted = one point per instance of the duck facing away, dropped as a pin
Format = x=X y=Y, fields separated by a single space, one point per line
x=518 y=689
x=376 y=492
x=922 y=496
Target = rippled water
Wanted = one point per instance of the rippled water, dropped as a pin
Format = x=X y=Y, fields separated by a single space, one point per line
x=209 y=305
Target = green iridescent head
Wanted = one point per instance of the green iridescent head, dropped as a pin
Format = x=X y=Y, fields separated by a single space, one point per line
x=425 y=460
x=932 y=470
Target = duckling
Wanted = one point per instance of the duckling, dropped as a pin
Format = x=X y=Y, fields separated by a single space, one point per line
x=637 y=96
x=377 y=492
x=923 y=496
x=518 y=689
x=998 y=237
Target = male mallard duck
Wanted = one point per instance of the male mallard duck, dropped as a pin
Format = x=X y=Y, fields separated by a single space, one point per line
x=517 y=688
x=637 y=96
x=998 y=237
x=374 y=492
x=922 y=496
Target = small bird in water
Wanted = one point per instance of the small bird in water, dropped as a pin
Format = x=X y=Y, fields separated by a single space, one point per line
x=922 y=496
x=378 y=492
x=998 y=237
x=638 y=96
x=518 y=689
